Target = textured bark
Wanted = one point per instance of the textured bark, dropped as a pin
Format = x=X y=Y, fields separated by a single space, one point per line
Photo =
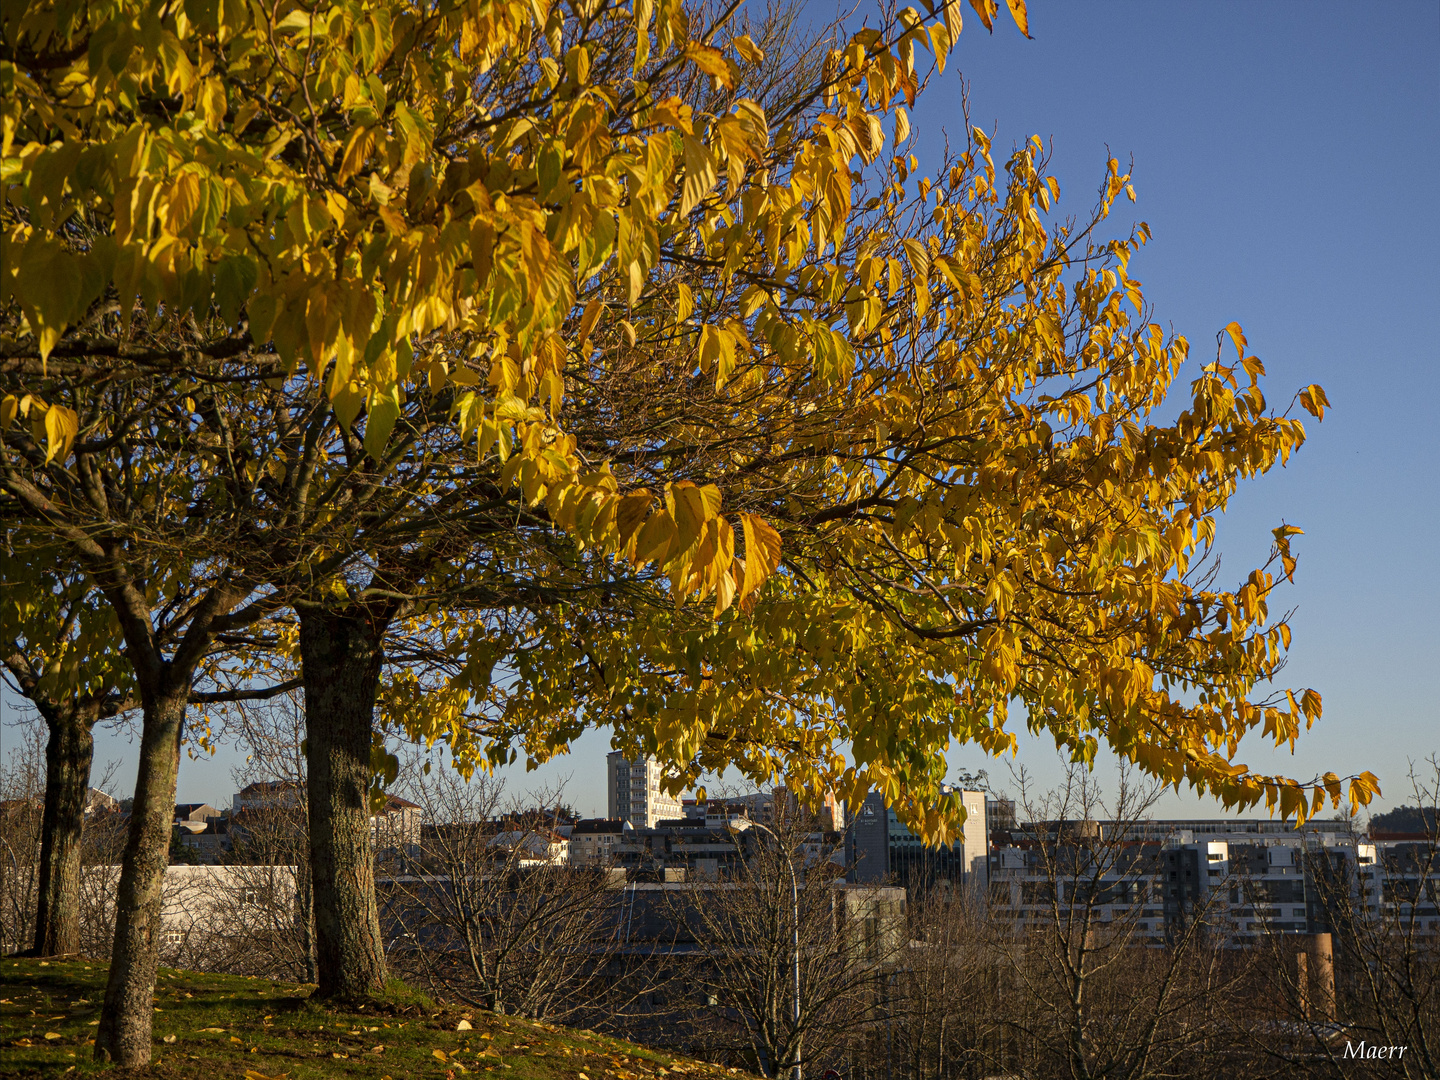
x=124 y=1032
x=305 y=903
x=68 y=756
x=340 y=661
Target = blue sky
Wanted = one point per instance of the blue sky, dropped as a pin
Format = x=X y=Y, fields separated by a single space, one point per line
x=1286 y=158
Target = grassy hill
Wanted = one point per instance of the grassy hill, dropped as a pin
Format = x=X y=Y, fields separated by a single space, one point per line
x=225 y=1026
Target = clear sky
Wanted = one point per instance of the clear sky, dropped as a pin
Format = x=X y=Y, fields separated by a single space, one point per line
x=1286 y=157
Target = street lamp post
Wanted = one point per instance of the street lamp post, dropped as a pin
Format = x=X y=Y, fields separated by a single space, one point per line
x=739 y=825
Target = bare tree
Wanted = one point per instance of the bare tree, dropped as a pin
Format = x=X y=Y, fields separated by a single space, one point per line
x=491 y=914
x=1106 y=985
x=273 y=732
x=22 y=799
x=944 y=997
x=1371 y=981
x=786 y=907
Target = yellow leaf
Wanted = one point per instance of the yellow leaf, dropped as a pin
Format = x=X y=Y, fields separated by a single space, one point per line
x=1237 y=336
x=694 y=506
x=357 y=149
x=61 y=427
x=179 y=73
x=762 y=553
x=712 y=62
x=380 y=420
x=630 y=513
x=212 y=101
x=653 y=542
x=1020 y=15
x=184 y=200
x=1314 y=401
x=902 y=125
x=700 y=174
x=588 y=320
x=953 y=22
x=724 y=592
x=749 y=50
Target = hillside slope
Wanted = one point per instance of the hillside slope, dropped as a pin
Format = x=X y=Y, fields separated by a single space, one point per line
x=221 y=1026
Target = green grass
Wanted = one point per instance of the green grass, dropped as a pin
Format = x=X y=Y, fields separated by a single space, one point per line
x=215 y=1027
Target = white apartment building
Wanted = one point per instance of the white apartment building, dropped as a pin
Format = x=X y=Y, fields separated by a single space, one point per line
x=592 y=841
x=530 y=848
x=1251 y=879
x=203 y=907
x=634 y=794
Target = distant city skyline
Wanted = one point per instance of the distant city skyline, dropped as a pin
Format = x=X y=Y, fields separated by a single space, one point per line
x=1285 y=158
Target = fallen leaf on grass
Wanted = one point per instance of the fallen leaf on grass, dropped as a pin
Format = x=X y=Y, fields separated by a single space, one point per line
x=168 y=1039
x=52 y=1034
x=463 y=1025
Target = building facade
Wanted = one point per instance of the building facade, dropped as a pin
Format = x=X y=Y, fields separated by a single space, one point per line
x=1246 y=878
x=593 y=840
x=634 y=794
x=883 y=848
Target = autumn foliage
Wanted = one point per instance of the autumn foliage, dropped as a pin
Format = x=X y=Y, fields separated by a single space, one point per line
x=642 y=392
x=926 y=402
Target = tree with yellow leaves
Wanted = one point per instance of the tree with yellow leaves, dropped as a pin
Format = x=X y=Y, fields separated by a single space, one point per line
x=971 y=506
x=332 y=187
x=861 y=457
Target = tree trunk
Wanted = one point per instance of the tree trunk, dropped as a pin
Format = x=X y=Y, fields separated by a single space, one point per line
x=340 y=657
x=68 y=757
x=305 y=891
x=124 y=1032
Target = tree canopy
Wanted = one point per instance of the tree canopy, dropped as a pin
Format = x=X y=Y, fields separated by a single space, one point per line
x=887 y=442
x=593 y=367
